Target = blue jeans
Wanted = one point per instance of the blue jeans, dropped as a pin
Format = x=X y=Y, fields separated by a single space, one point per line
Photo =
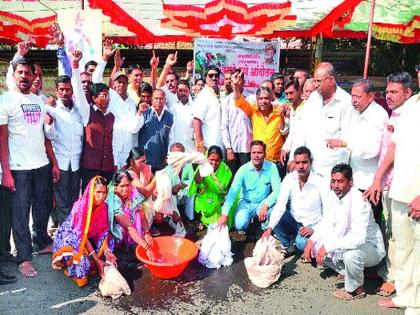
x=245 y=211
x=33 y=188
x=287 y=231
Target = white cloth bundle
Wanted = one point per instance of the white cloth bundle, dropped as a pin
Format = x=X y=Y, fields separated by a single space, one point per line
x=215 y=248
x=178 y=159
x=264 y=267
x=113 y=284
x=164 y=203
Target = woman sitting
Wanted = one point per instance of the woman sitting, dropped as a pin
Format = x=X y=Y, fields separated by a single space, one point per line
x=127 y=222
x=82 y=243
x=211 y=190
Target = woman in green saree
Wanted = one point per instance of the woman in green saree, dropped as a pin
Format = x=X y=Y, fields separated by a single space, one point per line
x=211 y=190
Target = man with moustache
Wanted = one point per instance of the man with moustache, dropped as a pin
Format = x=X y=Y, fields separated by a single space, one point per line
x=398 y=91
x=347 y=239
x=259 y=184
x=267 y=120
x=28 y=163
x=97 y=157
x=182 y=130
x=207 y=114
x=66 y=134
x=299 y=204
x=363 y=138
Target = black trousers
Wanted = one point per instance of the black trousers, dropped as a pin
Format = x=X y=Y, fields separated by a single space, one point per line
x=5 y=220
x=240 y=159
x=66 y=192
x=33 y=189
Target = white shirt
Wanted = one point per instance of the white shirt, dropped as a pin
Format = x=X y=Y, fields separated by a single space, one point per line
x=294 y=119
x=126 y=126
x=66 y=134
x=24 y=114
x=347 y=223
x=406 y=181
x=320 y=122
x=236 y=127
x=182 y=130
x=305 y=203
x=363 y=140
x=208 y=111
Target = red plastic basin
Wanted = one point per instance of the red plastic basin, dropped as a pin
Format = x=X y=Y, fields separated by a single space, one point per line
x=173 y=254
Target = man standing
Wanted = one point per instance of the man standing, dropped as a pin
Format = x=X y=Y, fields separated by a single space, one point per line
x=182 y=130
x=207 y=115
x=154 y=133
x=278 y=81
x=405 y=206
x=236 y=132
x=327 y=113
x=66 y=134
x=293 y=95
x=363 y=138
x=259 y=182
x=25 y=156
x=299 y=205
x=347 y=239
x=267 y=120
x=398 y=90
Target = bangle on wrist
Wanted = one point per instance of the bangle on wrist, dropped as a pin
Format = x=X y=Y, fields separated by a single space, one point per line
x=108 y=250
x=91 y=253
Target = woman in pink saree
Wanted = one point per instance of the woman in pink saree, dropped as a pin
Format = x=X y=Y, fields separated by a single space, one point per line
x=83 y=242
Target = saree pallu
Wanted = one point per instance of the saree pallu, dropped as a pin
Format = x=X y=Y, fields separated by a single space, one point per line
x=130 y=208
x=210 y=194
x=83 y=223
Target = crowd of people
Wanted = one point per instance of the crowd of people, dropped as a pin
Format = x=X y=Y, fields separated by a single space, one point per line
x=332 y=176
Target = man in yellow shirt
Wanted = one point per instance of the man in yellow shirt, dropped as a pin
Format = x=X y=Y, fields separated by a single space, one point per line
x=267 y=120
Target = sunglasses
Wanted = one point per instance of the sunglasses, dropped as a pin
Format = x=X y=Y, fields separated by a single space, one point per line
x=213 y=75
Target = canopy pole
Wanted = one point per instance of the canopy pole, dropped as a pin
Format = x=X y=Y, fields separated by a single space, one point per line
x=367 y=56
x=82 y=4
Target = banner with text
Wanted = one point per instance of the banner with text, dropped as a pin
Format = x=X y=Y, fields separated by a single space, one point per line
x=258 y=60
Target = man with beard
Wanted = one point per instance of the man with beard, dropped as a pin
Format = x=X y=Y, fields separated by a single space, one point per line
x=299 y=205
x=182 y=130
x=278 y=82
x=227 y=85
x=207 y=114
x=28 y=163
x=259 y=184
x=154 y=133
x=293 y=95
x=347 y=239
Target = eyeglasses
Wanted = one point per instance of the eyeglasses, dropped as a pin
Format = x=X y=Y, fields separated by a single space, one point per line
x=319 y=82
x=213 y=75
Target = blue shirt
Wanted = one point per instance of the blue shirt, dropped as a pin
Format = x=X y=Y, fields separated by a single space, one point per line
x=261 y=187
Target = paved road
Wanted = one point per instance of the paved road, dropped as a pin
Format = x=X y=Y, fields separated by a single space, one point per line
x=302 y=289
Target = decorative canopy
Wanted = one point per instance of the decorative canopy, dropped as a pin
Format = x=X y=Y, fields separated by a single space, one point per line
x=152 y=21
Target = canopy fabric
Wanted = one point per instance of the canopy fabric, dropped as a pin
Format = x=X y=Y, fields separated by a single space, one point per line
x=151 y=21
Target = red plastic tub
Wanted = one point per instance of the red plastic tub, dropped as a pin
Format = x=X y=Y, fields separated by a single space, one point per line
x=173 y=254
